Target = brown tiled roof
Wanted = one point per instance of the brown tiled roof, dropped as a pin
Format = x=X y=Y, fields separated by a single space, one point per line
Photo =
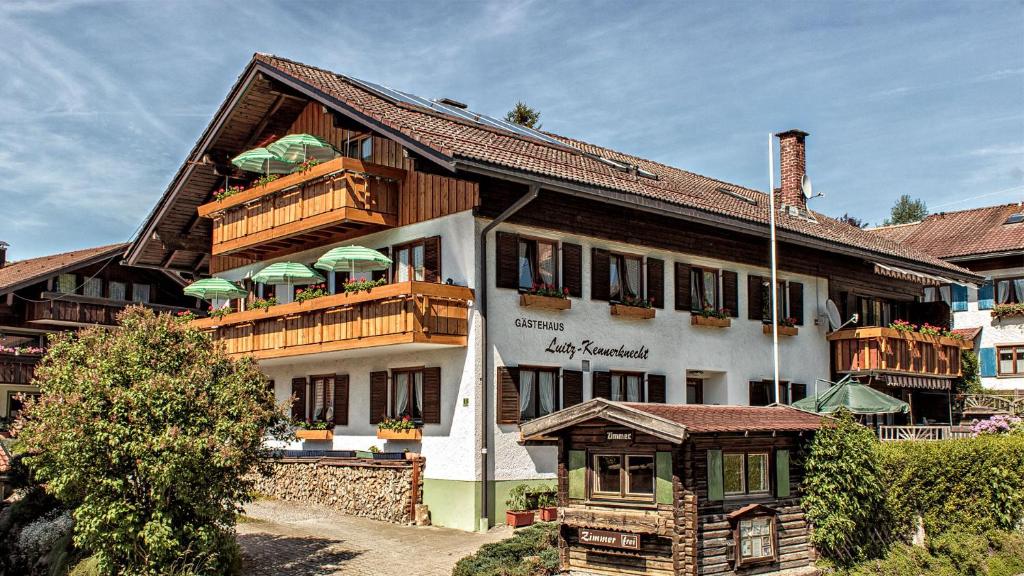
x=973 y=232
x=968 y=334
x=15 y=275
x=458 y=139
x=704 y=418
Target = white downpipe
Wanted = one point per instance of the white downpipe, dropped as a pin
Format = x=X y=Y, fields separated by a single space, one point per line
x=775 y=284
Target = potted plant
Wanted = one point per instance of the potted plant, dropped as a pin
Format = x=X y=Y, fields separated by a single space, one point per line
x=362 y=285
x=1000 y=311
x=546 y=296
x=634 y=307
x=220 y=312
x=315 y=430
x=398 y=429
x=546 y=501
x=709 y=316
x=311 y=292
x=517 y=514
x=787 y=327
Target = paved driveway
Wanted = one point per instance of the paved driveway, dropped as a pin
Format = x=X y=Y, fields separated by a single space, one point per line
x=289 y=539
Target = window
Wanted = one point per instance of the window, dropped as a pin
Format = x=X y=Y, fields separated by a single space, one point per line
x=760 y=392
x=67 y=283
x=407 y=394
x=766 y=299
x=623 y=476
x=938 y=294
x=797 y=392
x=118 y=290
x=694 y=391
x=1009 y=290
x=756 y=539
x=140 y=292
x=409 y=262
x=93 y=287
x=745 y=473
x=1011 y=360
x=538 y=392
x=537 y=263
x=624 y=277
x=360 y=148
x=321 y=393
x=627 y=387
x=881 y=312
x=704 y=292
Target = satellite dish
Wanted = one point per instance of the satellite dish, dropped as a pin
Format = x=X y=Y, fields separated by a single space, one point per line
x=805 y=186
x=834 y=319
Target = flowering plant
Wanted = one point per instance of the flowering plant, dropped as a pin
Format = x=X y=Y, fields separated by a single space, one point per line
x=710 y=312
x=310 y=292
x=929 y=330
x=549 y=290
x=363 y=284
x=998 y=424
x=223 y=193
x=403 y=423
x=306 y=165
x=185 y=316
x=220 y=312
x=264 y=303
x=1000 y=311
x=264 y=180
x=903 y=326
x=787 y=322
x=313 y=425
x=17 y=350
x=629 y=300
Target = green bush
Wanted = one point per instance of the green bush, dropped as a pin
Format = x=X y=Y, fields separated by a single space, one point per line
x=956 y=553
x=531 y=551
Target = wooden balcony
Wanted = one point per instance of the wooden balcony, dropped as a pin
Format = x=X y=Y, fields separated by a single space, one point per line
x=1007 y=402
x=329 y=202
x=74 y=310
x=403 y=313
x=17 y=368
x=925 y=433
x=877 y=350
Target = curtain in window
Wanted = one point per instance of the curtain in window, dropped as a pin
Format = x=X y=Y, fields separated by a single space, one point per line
x=66 y=283
x=526 y=275
x=632 y=388
x=401 y=392
x=318 y=399
x=930 y=294
x=1019 y=285
x=418 y=390
x=944 y=292
x=616 y=388
x=93 y=287
x=140 y=292
x=710 y=284
x=403 y=265
x=546 y=389
x=631 y=284
x=546 y=263
x=1002 y=291
x=117 y=291
x=614 y=292
x=696 y=289
x=417 y=262
x=525 y=391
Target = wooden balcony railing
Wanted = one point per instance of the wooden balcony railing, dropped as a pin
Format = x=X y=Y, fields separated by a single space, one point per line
x=891 y=433
x=885 y=350
x=402 y=313
x=75 y=310
x=17 y=368
x=325 y=203
x=1010 y=403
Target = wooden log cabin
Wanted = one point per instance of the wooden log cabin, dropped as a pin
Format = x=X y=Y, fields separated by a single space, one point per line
x=531 y=272
x=679 y=490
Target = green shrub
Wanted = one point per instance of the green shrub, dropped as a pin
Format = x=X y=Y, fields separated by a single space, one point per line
x=955 y=553
x=88 y=567
x=531 y=551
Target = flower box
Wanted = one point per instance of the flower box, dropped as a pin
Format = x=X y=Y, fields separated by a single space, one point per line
x=710 y=321
x=314 y=434
x=390 y=434
x=365 y=454
x=517 y=518
x=548 y=514
x=632 y=312
x=783 y=330
x=545 y=302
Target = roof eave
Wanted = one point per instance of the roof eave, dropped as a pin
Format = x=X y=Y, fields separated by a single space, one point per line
x=613 y=412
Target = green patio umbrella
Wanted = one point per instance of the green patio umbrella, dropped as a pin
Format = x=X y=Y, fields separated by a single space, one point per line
x=853 y=396
x=262 y=161
x=301 y=147
x=210 y=288
x=287 y=273
x=353 y=259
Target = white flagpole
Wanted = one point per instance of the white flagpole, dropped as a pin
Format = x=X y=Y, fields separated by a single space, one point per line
x=775 y=284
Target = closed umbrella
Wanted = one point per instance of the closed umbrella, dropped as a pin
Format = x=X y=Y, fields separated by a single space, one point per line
x=262 y=161
x=210 y=288
x=354 y=259
x=853 y=396
x=301 y=147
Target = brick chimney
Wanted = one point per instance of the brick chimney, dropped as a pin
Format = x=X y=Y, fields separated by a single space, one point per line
x=793 y=163
x=3 y=253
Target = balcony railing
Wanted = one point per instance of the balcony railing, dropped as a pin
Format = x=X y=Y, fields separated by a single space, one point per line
x=889 y=351
x=402 y=313
x=17 y=368
x=892 y=433
x=75 y=310
x=325 y=203
x=981 y=405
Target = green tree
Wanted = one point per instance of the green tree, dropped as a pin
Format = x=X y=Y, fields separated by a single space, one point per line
x=524 y=115
x=906 y=210
x=153 y=435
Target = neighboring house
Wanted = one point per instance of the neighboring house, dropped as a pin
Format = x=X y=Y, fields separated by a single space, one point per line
x=40 y=296
x=474 y=214
x=990 y=242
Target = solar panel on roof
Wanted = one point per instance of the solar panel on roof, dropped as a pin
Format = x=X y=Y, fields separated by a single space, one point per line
x=1015 y=218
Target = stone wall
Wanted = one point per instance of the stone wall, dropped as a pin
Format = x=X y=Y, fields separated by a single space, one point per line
x=368 y=489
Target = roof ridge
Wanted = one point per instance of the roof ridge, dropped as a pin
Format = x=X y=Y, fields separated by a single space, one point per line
x=67 y=253
x=977 y=209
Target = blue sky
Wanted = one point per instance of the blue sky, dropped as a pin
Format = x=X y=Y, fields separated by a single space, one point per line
x=101 y=101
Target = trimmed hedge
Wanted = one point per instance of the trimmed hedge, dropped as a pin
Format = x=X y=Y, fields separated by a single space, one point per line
x=531 y=551
x=994 y=553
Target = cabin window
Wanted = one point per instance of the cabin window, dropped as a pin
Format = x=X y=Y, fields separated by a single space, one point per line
x=538 y=392
x=756 y=539
x=627 y=387
x=66 y=283
x=623 y=476
x=140 y=292
x=1010 y=291
x=93 y=287
x=624 y=277
x=409 y=262
x=745 y=473
x=407 y=394
x=1011 y=360
x=118 y=290
x=360 y=148
x=704 y=292
x=537 y=263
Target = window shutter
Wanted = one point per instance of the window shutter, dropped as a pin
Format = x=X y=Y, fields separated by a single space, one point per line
x=572 y=269
x=987 y=360
x=755 y=298
x=656 y=388
x=796 y=302
x=656 y=281
x=572 y=388
x=602 y=385
x=986 y=296
x=716 y=483
x=663 y=470
x=432 y=259
x=782 y=473
x=683 y=300
x=341 y=399
x=299 y=398
x=507 y=257
x=378 y=396
x=432 y=395
x=599 y=274
x=577 y=474
x=959 y=294
x=731 y=293
x=508 y=395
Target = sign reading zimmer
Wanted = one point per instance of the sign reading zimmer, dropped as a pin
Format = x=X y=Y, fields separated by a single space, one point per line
x=610 y=539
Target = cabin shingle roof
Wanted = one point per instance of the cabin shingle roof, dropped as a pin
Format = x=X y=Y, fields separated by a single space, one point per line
x=706 y=418
x=973 y=232
x=22 y=272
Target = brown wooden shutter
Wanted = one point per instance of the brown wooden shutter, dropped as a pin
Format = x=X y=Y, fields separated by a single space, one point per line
x=572 y=269
x=602 y=385
x=432 y=395
x=299 y=399
x=796 y=302
x=600 y=274
x=730 y=293
x=683 y=296
x=341 y=399
x=378 y=396
x=432 y=259
x=572 y=388
x=656 y=281
x=507 y=257
x=755 y=298
x=656 y=388
x=508 y=395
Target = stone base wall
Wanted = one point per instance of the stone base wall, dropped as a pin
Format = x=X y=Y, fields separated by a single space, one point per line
x=361 y=489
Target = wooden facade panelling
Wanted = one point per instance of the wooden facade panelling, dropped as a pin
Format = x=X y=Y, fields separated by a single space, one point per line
x=885 y=350
x=17 y=368
x=71 y=309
